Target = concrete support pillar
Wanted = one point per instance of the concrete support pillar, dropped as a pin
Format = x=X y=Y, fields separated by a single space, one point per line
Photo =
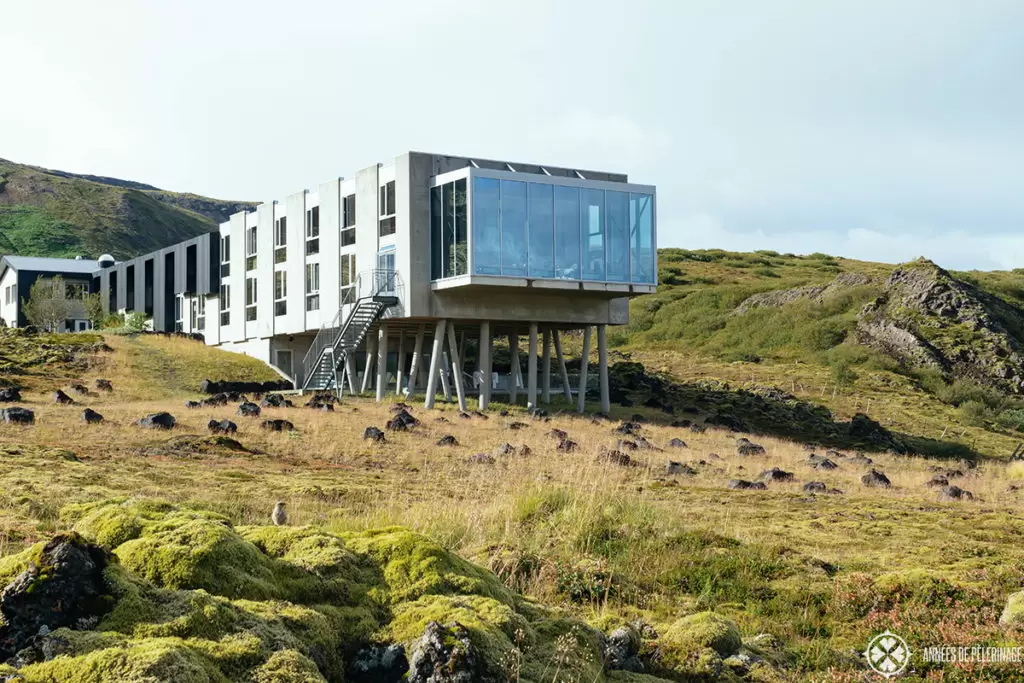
x=566 y=389
x=460 y=389
x=531 y=369
x=414 y=369
x=602 y=368
x=382 y=361
x=513 y=354
x=446 y=386
x=350 y=370
x=545 y=368
x=581 y=396
x=485 y=365
x=435 y=363
x=371 y=354
x=400 y=367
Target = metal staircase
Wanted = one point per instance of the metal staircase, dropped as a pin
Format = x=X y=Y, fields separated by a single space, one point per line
x=324 y=364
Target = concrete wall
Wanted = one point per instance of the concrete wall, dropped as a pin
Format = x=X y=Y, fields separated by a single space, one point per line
x=330 y=240
x=503 y=303
x=265 y=215
x=9 y=311
x=367 y=216
x=294 y=320
x=236 y=324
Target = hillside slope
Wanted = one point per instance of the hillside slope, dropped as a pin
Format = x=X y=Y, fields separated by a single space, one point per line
x=54 y=213
x=933 y=353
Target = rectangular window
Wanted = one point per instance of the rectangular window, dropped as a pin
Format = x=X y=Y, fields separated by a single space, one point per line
x=250 y=298
x=312 y=286
x=225 y=249
x=486 y=226
x=616 y=218
x=542 y=230
x=197 y=319
x=250 y=248
x=313 y=231
x=514 y=245
x=348 y=211
x=387 y=209
x=74 y=290
x=348 y=278
x=641 y=239
x=280 y=292
x=567 y=233
x=592 y=225
x=179 y=313
x=387 y=199
x=225 y=304
x=281 y=240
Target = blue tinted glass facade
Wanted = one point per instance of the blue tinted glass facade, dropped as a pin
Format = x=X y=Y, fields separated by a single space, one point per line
x=486 y=226
x=641 y=238
x=514 y=236
x=542 y=230
x=567 y=233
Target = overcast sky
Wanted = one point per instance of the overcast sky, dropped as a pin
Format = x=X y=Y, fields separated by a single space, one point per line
x=880 y=130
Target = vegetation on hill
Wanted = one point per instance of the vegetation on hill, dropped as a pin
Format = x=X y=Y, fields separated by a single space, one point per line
x=932 y=353
x=53 y=213
x=542 y=564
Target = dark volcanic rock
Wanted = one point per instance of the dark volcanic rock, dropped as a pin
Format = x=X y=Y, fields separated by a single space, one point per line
x=210 y=387
x=90 y=416
x=567 y=446
x=746 y=447
x=402 y=421
x=65 y=588
x=78 y=388
x=673 y=467
x=627 y=445
x=222 y=427
x=617 y=458
x=630 y=428
x=481 y=459
x=815 y=487
x=444 y=654
x=698 y=428
x=192 y=405
x=677 y=443
x=10 y=394
x=776 y=474
x=62 y=398
x=949 y=493
x=16 y=415
x=248 y=409
x=273 y=401
x=937 y=480
x=622 y=650
x=378 y=664
x=157 y=421
x=447 y=440
x=373 y=434
x=559 y=434
x=277 y=426
x=819 y=462
x=518 y=425
x=875 y=478
x=104 y=385
x=742 y=484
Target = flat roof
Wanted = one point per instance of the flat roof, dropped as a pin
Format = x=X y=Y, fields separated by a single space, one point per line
x=52 y=265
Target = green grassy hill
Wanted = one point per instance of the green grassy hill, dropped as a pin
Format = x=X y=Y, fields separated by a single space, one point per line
x=54 y=213
x=927 y=352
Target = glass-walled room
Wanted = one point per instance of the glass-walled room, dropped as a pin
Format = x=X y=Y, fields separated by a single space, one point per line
x=534 y=229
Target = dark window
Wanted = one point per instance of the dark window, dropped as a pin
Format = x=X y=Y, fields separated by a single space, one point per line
x=387 y=199
x=348 y=211
x=387 y=226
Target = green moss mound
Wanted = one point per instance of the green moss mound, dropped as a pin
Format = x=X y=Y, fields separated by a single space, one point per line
x=197 y=599
x=697 y=644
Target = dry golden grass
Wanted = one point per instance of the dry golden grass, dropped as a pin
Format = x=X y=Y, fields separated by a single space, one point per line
x=785 y=563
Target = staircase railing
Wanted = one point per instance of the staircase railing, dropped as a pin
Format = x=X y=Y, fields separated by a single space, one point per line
x=369 y=284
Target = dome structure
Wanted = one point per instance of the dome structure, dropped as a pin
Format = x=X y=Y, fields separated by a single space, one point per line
x=106 y=260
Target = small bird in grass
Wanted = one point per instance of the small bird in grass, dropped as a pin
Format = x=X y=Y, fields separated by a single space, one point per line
x=279 y=517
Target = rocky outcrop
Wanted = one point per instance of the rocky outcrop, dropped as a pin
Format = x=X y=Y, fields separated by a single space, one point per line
x=816 y=293
x=927 y=318
x=63 y=588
